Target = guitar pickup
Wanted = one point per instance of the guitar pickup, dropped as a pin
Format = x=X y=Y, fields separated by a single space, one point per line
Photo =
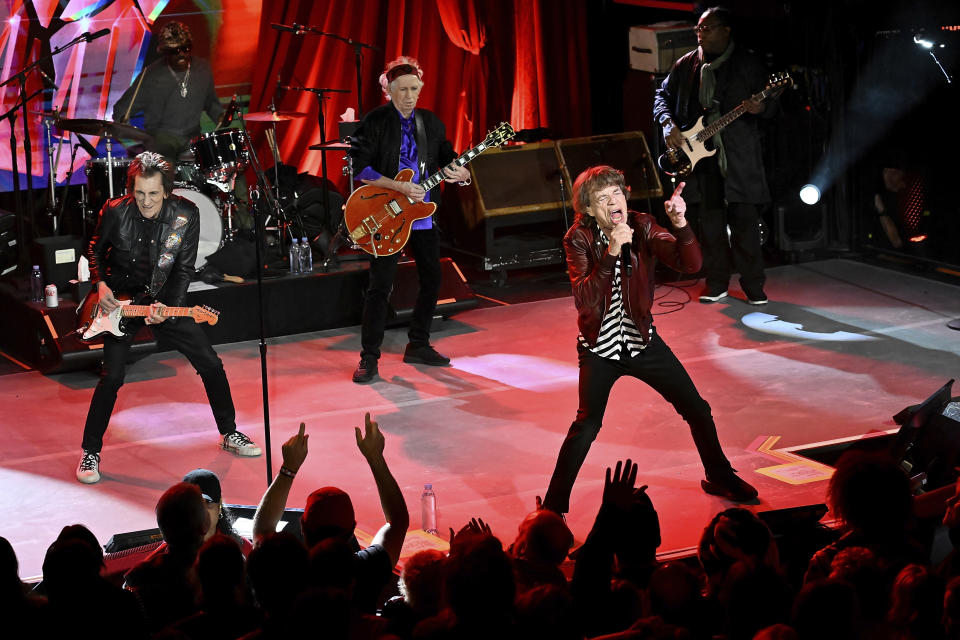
x=393 y=208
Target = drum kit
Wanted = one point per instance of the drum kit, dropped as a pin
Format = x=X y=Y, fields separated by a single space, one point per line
x=205 y=175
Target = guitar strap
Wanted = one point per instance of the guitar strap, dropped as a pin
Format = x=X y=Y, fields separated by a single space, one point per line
x=422 y=150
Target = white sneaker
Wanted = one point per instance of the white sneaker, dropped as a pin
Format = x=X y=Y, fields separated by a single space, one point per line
x=240 y=445
x=88 y=471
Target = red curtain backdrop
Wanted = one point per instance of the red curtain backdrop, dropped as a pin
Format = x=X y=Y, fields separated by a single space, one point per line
x=481 y=59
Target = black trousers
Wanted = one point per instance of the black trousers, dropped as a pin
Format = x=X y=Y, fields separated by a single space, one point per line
x=186 y=337
x=424 y=246
x=658 y=367
x=742 y=252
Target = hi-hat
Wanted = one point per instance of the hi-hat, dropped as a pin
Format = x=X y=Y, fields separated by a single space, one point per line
x=274 y=116
x=115 y=130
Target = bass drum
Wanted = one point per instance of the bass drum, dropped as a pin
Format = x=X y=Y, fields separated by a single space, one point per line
x=211 y=224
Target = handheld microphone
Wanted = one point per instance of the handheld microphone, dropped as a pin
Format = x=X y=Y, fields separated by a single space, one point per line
x=296 y=29
x=90 y=37
x=625 y=256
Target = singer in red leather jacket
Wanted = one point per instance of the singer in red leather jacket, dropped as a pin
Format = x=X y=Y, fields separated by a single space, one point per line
x=146 y=243
x=611 y=253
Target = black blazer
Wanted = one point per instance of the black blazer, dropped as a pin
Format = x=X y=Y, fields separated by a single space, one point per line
x=376 y=144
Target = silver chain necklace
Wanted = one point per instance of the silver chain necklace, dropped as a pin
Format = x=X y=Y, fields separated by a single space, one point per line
x=183 y=83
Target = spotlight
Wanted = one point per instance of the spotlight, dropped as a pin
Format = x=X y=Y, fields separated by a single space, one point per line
x=810 y=194
x=926 y=42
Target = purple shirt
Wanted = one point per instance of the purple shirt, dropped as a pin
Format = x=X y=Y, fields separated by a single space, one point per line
x=408 y=160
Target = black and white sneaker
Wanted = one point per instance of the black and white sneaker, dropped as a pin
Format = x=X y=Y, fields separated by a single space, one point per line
x=88 y=470
x=239 y=444
x=713 y=295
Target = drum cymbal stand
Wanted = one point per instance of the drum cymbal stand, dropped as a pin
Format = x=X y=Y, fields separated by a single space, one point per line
x=48 y=121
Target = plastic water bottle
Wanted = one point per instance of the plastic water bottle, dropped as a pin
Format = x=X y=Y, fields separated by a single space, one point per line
x=294 y=256
x=306 y=256
x=428 y=510
x=36 y=284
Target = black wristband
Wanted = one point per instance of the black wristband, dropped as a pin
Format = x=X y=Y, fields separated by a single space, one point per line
x=288 y=472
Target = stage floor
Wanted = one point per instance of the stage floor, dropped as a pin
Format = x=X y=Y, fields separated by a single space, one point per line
x=841 y=348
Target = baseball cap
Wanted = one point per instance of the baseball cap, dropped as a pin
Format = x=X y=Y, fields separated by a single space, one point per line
x=208 y=482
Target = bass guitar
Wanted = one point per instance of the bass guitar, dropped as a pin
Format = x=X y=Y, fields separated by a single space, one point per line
x=93 y=320
x=680 y=162
x=379 y=220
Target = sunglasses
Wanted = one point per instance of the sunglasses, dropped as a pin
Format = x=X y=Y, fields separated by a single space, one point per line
x=177 y=50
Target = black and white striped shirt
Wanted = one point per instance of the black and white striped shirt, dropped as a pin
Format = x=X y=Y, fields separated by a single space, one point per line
x=617 y=329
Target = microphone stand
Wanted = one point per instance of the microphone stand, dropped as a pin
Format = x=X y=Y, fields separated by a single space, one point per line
x=21 y=78
x=273 y=204
x=358 y=48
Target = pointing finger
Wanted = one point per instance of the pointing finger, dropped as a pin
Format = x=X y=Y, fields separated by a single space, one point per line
x=678 y=190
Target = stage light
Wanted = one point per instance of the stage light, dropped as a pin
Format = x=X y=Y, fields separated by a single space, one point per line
x=810 y=194
x=84 y=24
x=926 y=42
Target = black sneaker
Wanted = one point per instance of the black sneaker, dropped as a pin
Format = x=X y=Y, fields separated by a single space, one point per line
x=425 y=355
x=729 y=486
x=756 y=297
x=712 y=295
x=366 y=370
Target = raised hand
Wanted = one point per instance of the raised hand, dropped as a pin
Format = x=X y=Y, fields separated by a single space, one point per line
x=676 y=207
x=371 y=442
x=618 y=487
x=476 y=527
x=295 y=449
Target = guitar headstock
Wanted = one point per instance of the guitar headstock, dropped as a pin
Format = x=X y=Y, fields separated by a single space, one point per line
x=499 y=135
x=778 y=82
x=205 y=314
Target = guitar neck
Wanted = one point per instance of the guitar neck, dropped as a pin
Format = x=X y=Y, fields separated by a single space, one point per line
x=461 y=161
x=719 y=124
x=142 y=311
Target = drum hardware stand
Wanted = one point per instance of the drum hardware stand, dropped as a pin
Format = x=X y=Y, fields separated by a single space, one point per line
x=66 y=192
x=21 y=78
x=321 y=121
x=52 y=173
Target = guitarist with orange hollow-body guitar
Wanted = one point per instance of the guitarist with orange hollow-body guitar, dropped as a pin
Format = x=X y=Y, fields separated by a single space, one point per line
x=728 y=188
x=146 y=242
x=393 y=137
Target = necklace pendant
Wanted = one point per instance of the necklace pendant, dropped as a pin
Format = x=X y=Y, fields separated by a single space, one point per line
x=183 y=91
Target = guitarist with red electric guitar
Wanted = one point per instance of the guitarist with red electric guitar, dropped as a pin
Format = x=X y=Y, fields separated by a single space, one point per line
x=399 y=139
x=724 y=83
x=145 y=247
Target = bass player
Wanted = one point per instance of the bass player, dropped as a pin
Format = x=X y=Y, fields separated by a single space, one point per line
x=392 y=137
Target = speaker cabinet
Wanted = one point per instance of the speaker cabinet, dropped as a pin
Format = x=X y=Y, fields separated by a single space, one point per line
x=626 y=151
x=513 y=212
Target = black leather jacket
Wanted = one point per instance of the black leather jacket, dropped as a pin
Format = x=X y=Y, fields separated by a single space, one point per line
x=173 y=249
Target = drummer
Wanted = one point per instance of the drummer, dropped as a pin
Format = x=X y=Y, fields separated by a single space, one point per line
x=171 y=93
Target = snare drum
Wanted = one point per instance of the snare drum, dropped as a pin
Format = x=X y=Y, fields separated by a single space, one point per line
x=98 y=187
x=211 y=224
x=221 y=155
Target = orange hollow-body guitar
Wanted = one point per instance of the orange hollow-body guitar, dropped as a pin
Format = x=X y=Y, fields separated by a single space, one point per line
x=379 y=220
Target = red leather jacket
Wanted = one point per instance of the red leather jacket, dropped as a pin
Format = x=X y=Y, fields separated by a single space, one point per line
x=591 y=269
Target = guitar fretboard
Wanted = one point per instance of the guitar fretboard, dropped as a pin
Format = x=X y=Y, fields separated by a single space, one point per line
x=464 y=158
x=142 y=311
x=717 y=125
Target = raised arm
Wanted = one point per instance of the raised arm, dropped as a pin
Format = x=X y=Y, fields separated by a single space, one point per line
x=371 y=442
x=274 y=501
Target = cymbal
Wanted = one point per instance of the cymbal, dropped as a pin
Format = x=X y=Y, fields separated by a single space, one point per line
x=115 y=130
x=274 y=116
x=333 y=144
